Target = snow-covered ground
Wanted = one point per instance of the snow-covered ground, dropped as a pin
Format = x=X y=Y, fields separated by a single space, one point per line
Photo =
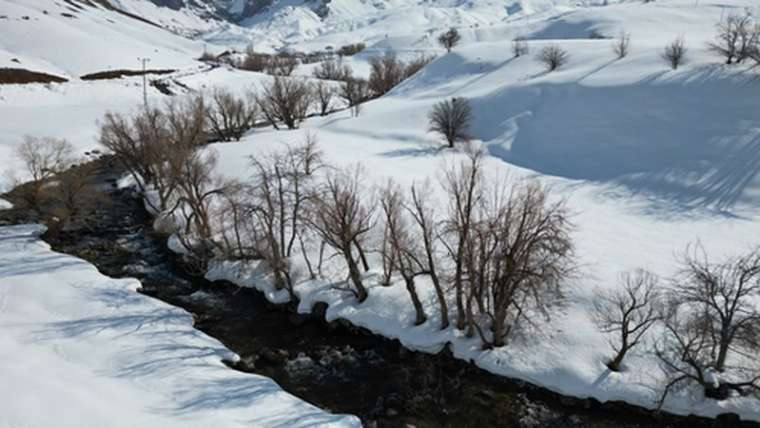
x=648 y=158
x=78 y=349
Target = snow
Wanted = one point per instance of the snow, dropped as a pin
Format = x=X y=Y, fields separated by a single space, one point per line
x=5 y=205
x=94 y=352
x=649 y=159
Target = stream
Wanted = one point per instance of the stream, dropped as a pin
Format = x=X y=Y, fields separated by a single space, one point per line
x=334 y=365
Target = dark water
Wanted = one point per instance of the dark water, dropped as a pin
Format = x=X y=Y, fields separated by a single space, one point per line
x=333 y=365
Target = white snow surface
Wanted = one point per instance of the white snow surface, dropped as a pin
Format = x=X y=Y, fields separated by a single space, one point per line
x=93 y=353
x=649 y=159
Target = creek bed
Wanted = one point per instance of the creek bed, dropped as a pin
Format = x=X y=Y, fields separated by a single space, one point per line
x=333 y=365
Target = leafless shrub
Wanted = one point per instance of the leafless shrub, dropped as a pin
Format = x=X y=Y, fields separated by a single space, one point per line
x=332 y=70
x=449 y=39
x=408 y=255
x=622 y=45
x=343 y=221
x=196 y=187
x=553 y=57
x=354 y=92
x=417 y=64
x=42 y=159
x=675 y=53
x=596 y=35
x=520 y=47
x=352 y=49
x=75 y=200
x=282 y=65
x=324 y=95
x=628 y=313
x=712 y=326
x=738 y=38
x=451 y=119
x=228 y=116
x=386 y=72
x=280 y=190
x=285 y=100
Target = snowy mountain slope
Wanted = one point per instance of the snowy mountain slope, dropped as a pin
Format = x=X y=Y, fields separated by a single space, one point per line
x=97 y=353
x=73 y=38
x=649 y=160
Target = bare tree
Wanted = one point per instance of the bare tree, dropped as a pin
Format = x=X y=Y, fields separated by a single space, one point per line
x=324 y=94
x=451 y=119
x=628 y=313
x=423 y=214
x=343 y=221
x=281 y=189
x=520 y=47
x=75 y=199
x=449 y=39
x=285 y=100
x=282 y=65
x=42 y=159
x=675 y=53
x=153 y=144
x=553 y=57
x=354 y=92
x=526 y=257
x=738 y=38
x=387 y=71
x=622 y=45
x=228 y=116
x=463 y=183
x=712 y=324
x=197 y=185
x=404 y=243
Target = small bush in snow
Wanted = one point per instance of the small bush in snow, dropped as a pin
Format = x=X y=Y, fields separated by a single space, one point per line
x=42 y=159
x=452 y=119
x=553 y=57
x=282 y=65
x=417 y=64
x=285 y=100
x=628 y=313
x=449 y=39
x=675 y=53
x=711 y=322
x=386 y=72
x=228 y=116
x=254 y=61
x=352 y=49
x=738 y=38
x=332 y=70
x=622 y=45
x=324 y=94
x=520 y=47
x=354 y=92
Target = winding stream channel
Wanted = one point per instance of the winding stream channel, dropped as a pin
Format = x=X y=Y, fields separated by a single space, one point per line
x=334 y=365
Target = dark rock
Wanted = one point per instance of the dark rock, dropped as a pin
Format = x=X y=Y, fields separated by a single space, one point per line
x=319 y=310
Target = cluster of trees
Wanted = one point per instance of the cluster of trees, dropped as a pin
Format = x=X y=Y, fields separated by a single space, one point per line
x=708 y=322
x=501 y=249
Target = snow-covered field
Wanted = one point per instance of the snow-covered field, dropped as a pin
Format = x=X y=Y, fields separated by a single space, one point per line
x=649 y=159
x=79 y=349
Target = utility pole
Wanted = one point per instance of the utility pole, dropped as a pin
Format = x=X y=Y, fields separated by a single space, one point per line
x=144 y=61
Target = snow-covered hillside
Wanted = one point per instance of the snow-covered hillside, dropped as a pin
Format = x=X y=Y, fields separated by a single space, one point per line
x=69 y=39
x=649 y=159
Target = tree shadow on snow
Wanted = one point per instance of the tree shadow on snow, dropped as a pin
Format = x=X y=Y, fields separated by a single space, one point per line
x=692 y=140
